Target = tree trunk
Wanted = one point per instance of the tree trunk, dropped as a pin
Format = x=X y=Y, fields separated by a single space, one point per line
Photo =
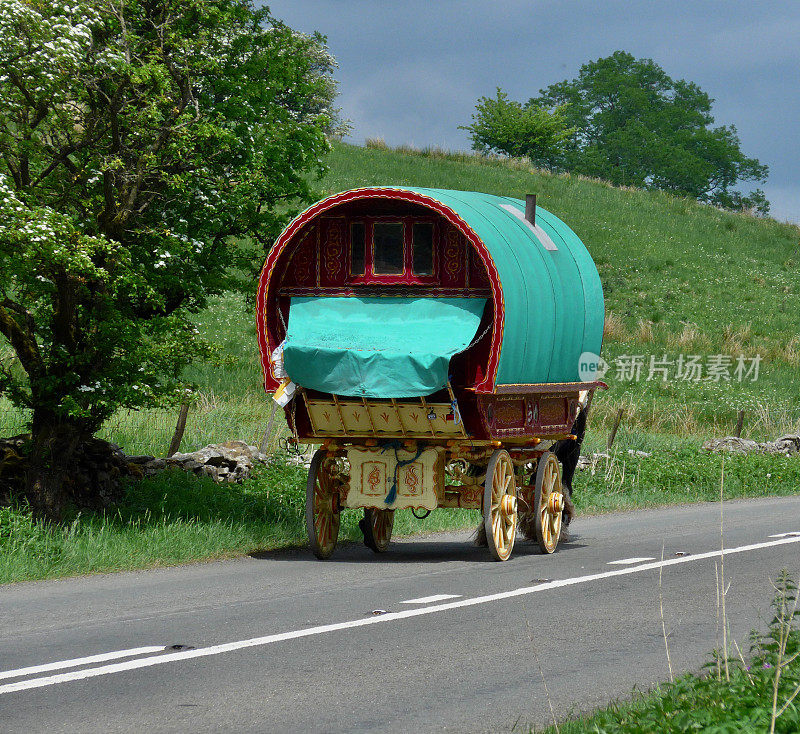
x=54 y=448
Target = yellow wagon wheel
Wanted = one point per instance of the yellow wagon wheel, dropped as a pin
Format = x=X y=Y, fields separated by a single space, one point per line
x=377 y=528
x=322 y=507
x=500 y=505
x=548 y=502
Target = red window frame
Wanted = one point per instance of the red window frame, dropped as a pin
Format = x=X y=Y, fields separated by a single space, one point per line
x=408 y=276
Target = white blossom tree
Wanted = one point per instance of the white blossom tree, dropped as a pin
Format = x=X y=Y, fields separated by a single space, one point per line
x=139 y=139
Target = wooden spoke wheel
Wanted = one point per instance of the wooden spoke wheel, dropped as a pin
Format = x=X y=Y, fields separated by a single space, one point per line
x=500 y=505
x=377 y=528
x=322 y=507
x=548 y=502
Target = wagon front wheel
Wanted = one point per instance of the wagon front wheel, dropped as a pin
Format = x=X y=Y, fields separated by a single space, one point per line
x=500 y=505
x=322 y=507
x=377 y=528
x=548 y=502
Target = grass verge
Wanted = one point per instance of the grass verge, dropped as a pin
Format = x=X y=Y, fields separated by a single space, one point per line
x=762 y=696
x=177 y=518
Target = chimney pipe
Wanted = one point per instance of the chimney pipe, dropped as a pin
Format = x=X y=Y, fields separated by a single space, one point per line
x=530 y=208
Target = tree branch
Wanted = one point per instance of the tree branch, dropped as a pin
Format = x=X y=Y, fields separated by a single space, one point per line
x=23 y=342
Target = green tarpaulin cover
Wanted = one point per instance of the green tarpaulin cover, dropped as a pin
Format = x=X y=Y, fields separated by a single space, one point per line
x=378 y=347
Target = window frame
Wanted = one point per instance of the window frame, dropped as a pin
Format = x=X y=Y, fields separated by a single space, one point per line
x=408 y=276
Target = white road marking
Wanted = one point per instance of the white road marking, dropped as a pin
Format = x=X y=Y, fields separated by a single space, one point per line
x=75 y=662
x=431 y=599
x=366 y=621
x=629 y=561
x=793 y=534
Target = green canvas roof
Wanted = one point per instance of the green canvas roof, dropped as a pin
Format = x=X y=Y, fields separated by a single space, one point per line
x=554 y=309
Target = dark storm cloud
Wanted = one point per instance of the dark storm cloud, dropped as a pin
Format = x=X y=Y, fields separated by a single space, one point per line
x=410 y=72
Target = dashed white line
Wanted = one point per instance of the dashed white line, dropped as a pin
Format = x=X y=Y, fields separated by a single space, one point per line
x=381 y=619
x=431 y=599
x=76 y=662
x=629 y=561
x=792 y=534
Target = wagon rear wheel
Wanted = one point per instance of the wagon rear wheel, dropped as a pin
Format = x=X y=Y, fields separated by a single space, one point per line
x=377 y=528
x=548 y=502
x=500 y=505
x=322 y=507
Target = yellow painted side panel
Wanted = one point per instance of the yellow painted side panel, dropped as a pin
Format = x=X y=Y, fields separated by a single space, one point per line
x=385 y=418
x=325 y=417
x=350 y=418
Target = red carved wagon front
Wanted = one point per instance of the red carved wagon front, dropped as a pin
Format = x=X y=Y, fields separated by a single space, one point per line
x=436 y=345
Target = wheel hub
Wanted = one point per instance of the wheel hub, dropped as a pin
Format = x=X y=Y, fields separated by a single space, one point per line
x=555 y=502
x=508 y=505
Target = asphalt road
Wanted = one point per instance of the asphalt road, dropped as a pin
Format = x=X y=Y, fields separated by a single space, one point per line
x=285 y=643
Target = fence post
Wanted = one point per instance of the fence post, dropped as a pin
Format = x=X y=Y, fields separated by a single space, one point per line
x=613 y=433
x=739 y=424
x=180 y=427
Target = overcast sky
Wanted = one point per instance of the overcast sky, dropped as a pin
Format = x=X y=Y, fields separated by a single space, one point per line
x=411 y=72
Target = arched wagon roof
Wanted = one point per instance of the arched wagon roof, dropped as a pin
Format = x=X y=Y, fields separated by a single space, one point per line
x=548 y=300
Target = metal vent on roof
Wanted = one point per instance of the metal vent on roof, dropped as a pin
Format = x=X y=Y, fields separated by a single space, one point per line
x=530 y=208
x=541 y=235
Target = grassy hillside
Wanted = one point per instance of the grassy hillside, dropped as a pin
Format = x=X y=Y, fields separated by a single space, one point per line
x=678 y=277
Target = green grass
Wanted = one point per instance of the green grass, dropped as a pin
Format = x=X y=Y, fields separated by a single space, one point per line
x=744 y=698
x=678 y=276
x=176 y=518
x=678 y=472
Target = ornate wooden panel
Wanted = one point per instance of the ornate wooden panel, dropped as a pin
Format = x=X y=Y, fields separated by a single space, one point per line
x=373 y=472
x=552 y=411
x=333 y=252
x=477 y=273
x=302 y=268
x=509 y=413
x=530 y=414
x=465 y=497
x=454 y=260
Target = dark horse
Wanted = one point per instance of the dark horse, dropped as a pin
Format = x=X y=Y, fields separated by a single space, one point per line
x=568 y=451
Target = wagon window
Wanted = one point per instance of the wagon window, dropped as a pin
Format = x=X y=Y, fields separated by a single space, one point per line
x=388 y=248
x=423 y=248
x=357 y=244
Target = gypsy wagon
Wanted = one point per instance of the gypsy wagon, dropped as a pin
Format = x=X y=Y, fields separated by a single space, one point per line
x=430 y=342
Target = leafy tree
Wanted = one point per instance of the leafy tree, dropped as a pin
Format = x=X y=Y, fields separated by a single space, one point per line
x=503 y=126
x=138 y=140
x=634 y=125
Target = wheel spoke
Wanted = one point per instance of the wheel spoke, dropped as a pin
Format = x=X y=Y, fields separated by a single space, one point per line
x=498 y=539
x=322 y=529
